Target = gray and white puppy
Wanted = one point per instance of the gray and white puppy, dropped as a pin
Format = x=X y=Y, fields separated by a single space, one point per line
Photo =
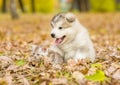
x=72 y=40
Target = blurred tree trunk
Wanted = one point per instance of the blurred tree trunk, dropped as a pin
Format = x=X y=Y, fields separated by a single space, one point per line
x=4 y=8
x=78 y=4
x=117 y=2
x=75 y=5
x=87 y=2
x=21 y=5
x=81 y=5
x=84 y=5
x=33 y=5
x=13 y=9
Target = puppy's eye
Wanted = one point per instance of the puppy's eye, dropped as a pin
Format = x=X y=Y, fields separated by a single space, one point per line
x=60 y=27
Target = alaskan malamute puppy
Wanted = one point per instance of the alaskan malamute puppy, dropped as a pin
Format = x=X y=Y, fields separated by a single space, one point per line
x=72 y=40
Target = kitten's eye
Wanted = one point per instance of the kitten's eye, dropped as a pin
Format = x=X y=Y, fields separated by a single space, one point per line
x=38 y=54
x=60 y=27
x=33 y=53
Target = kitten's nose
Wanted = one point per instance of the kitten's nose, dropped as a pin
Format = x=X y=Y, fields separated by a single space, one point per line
x=53 y=35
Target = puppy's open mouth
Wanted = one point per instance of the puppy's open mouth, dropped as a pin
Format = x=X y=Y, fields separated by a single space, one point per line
x=59 y=40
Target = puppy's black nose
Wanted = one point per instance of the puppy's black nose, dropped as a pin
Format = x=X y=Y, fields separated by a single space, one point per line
x=53 y=35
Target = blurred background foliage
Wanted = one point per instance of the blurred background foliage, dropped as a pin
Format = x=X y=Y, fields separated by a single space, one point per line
x=47 y=6
x=103 y=5
x=44 y=6
x=50 y=6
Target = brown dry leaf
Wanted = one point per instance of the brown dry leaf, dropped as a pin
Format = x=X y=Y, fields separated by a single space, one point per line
x=43 y=83
x=71 y=62
x=91 y=71
x=112 y=69
x=3 y=82
x=5 y=59
x=45 y=75
x=25 y=81
x=59 y=81
x=116 y=75
x=11 y=68
x=8 y=78
x=92 y=83
x=79 y=77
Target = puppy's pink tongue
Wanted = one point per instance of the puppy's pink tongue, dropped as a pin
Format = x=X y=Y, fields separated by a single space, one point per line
x=58 y=41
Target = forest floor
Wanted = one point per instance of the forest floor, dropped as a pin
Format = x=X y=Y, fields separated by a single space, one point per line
x=17 y=35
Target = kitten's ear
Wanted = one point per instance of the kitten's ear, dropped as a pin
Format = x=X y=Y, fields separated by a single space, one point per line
x=70 y=17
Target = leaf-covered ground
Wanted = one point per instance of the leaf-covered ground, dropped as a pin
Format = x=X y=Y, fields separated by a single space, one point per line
x=16 y=36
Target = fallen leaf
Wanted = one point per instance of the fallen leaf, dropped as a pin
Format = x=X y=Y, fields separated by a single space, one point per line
x=59 y=81
x=79 y=77
x=116 y=75
x=3 y=82
x=8 y=78
x=25 y=81
x=98 y=76
x=20 y=62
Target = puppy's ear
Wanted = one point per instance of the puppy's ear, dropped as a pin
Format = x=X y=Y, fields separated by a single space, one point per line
x=70 y=17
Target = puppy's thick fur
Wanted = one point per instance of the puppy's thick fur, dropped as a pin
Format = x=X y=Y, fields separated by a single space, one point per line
x=72 y=40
